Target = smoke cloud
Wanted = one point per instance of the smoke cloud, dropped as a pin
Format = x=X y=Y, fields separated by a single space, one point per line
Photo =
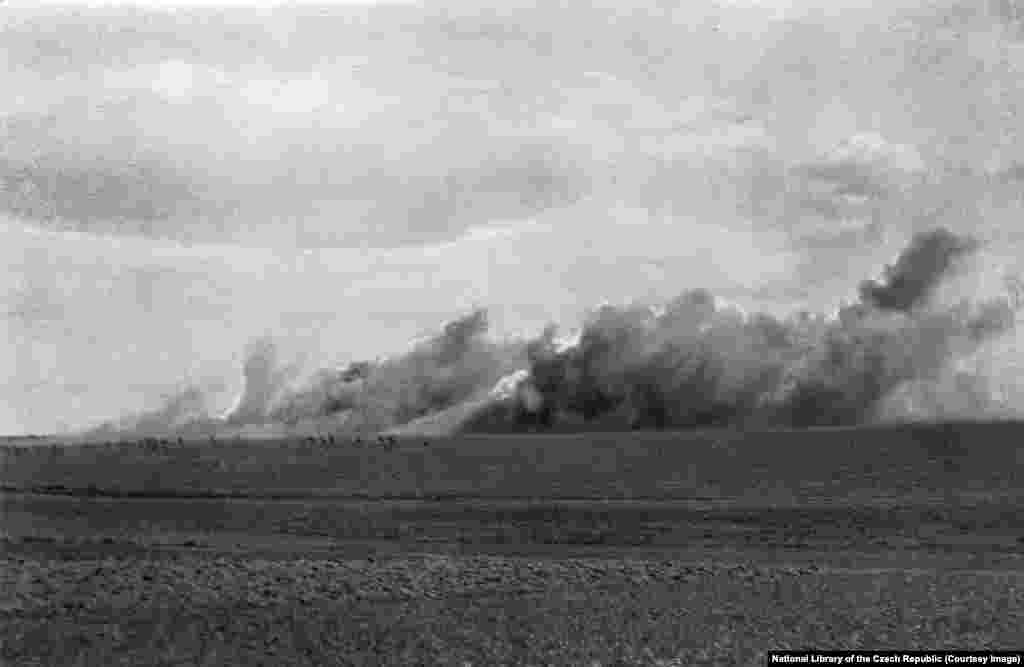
x=456 y=365
x=899 y=352
x=918 y=271
x=698 y=362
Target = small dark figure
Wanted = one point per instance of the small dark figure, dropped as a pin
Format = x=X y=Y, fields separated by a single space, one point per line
x=358 y=442
x=181 y=441
x=330 y=438
x=213 y=440
x=426 y=443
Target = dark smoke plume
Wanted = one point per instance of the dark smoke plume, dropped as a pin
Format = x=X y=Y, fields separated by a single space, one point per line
x=917 y=271
x=698 y=364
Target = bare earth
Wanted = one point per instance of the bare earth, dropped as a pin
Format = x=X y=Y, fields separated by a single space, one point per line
x=653 y=549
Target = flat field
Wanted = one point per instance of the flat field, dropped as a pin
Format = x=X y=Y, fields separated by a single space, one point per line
x=590 y=549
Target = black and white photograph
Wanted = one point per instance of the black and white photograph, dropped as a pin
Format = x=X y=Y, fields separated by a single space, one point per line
x=540 y=333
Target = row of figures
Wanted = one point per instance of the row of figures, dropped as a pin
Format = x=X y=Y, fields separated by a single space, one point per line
x=158 y=445
x=386 y=441
x=154 y=445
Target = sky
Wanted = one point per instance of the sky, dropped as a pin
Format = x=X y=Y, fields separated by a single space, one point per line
x=346 y=176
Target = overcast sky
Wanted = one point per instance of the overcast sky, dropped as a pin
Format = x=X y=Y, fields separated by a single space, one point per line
x=347 y=175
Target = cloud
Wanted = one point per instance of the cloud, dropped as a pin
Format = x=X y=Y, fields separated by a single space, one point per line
x=173 y=79
x=59 y=187
x=871 y=148
x=302 y=95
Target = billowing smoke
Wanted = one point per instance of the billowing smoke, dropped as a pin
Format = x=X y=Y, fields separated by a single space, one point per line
x=456 y=365
x=435 y=374
x=265 y=380
x=918 y=271
x=184 y=411
x=901 y=351
x=698 y=362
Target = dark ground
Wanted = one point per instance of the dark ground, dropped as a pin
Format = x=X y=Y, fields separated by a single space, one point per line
x=874 y=538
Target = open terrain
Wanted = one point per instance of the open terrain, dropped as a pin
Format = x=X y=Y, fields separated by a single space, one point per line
x=610 y=549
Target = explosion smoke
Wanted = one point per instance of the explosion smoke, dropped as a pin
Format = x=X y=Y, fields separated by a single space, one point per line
x=698 y=364
x=694 y=362
x=917 y=272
